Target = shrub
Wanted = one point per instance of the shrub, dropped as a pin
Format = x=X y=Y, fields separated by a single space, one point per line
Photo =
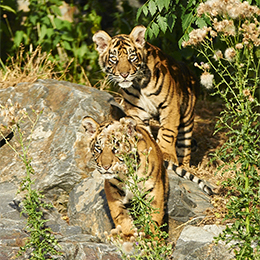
x=232 y=67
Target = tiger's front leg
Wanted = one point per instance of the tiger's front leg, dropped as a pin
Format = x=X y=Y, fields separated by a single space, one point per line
x=140 y=116
x=118 y=211
x=167 y=136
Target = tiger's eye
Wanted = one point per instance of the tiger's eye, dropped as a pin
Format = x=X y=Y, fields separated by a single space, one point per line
x=113 y=58
x=132 y=57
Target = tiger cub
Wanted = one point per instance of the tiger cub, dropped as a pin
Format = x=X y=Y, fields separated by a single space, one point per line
x=154 y=86
x=106 y=142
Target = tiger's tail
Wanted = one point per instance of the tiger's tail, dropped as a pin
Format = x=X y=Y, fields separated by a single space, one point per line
x=189 y=176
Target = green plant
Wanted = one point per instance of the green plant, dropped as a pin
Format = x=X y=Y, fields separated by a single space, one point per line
x=235 y=77
x=41 y=242
x=149 y=240
x=168 y=15
x=67 y=39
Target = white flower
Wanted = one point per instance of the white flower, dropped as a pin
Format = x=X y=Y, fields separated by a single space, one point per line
x=218 y=55
x=206 y=79
x=230 y=54
x=128 y=248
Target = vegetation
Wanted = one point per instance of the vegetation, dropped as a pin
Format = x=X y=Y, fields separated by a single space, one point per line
x=230 y=46
x=41 y=243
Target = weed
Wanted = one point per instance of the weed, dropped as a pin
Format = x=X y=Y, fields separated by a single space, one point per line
x=41 y=243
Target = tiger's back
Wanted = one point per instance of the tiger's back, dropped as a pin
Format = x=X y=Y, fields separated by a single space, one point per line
x=154 y=86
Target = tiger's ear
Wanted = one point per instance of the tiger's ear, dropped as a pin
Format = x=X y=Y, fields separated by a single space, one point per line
x=90 y=126
x=138 y=34
x=102 y=40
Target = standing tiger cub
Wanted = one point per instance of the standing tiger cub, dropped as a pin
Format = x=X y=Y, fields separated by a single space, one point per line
x=109 y=143
x=154 y=86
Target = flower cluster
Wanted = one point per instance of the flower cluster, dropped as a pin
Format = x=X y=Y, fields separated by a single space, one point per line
x=251 y=32
x=121 y=136
x=196 y=37
x=234 y=9
x=222 y=14
x=247 y=93
x=239 y=36
x=225 y=26
x=206 y=79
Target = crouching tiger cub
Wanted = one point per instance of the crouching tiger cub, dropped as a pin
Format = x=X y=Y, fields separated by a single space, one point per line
x=154 y=86
x=107 y=141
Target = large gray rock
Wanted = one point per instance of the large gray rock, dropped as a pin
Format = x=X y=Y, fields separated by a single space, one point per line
x=198 y=243
x=59 y=155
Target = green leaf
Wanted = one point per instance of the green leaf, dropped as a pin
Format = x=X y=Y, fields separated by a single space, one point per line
x=167 y=4
x=162 y=22
x=67 y=37
x=33 y=19
x=152 y=7
x=59 y=23
x=171 y=19
x=149 y=33
x=56 y=2
x=8 y=8
x=143 y=10
x=56 y=10
x=187 y=20
x=49 y=32
x=18 y=37
x=160 y=5
x=43 y=32
x=139 y=11
x=200 y=22
x=155 y=29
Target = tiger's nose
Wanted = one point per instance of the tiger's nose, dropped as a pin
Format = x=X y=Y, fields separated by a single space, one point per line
x=124 y=75
x=107 y=166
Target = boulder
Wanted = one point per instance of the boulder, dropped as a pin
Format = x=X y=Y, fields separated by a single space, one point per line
x=59 y=155
x=198 y=243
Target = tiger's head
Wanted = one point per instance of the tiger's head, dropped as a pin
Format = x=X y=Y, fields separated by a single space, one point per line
x=108 y=142
x=122 y=56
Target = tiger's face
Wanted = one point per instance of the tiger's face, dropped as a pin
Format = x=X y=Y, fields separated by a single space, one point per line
x=106 y=146
x=122 y=56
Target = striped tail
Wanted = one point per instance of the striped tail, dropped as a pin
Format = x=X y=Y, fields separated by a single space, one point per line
x=189 y=176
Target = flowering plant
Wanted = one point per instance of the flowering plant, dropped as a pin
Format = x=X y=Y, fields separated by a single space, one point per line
x=230 y=46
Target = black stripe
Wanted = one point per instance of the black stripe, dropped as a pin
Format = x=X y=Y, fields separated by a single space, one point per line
x=183 y=138
x=166 y=139
x=190 y=121
x=130 y=93
x=157 y=92
x=127 y=101
x=121 y=192
x=186 y=131
x=183 y=145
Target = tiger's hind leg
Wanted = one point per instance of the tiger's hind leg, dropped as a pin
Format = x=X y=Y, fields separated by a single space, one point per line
x=184 y=140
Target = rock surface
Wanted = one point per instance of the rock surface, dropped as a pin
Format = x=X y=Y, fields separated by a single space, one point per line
x=64 y=172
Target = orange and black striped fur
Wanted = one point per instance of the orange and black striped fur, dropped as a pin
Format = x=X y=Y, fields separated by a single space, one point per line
x=154 y=86
x=106 y=157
